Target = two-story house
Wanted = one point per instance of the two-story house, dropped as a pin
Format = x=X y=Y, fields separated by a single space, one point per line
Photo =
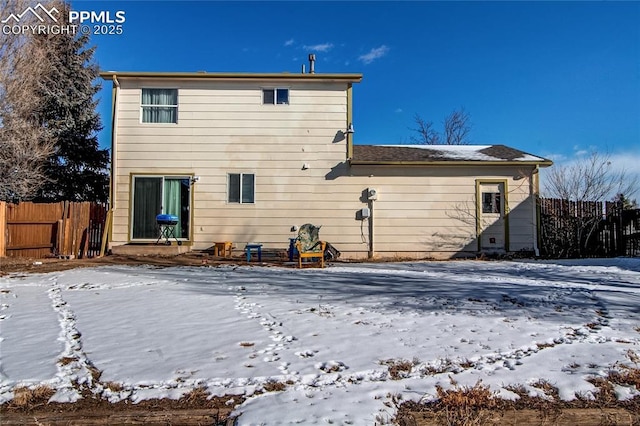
x=245 y=157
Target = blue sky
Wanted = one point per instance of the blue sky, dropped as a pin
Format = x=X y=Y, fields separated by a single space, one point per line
x=556 y=79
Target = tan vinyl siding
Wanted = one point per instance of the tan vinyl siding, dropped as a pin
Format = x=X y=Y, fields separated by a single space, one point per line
x=224 y=128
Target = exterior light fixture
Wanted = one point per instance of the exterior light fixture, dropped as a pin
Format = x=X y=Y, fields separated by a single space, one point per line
x=350 y=130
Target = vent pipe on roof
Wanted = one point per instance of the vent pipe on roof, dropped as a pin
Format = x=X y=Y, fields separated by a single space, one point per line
x=312 y=62
x=303 y=70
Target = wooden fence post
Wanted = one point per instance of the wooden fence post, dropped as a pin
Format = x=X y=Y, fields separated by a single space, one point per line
x=106 y=232
x=74 y=213
x=59 y=239
x=64 y=234
x=84 y=230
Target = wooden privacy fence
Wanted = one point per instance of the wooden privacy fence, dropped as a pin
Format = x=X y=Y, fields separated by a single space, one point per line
x=51 y=229
x=588 y=229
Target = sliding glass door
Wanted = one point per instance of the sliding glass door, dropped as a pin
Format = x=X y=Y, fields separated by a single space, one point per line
x=154 y=195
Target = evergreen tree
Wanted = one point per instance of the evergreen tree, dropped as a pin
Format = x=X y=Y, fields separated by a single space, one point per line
x=625 y=202
x=77 y=171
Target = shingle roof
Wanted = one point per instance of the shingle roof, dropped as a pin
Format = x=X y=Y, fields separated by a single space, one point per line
x=417 y=154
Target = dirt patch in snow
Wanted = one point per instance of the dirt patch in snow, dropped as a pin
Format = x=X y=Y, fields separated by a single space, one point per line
x=215 y=411
x=477 y=405
x=10 y=265
x=528 y=417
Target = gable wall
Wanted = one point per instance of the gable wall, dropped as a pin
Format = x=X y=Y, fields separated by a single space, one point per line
x=224 y=128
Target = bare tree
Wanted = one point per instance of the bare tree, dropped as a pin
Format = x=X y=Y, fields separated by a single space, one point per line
x=580 y=184
x=426 y=134
x=457 y=126
x=591 y=178
x=24 y=145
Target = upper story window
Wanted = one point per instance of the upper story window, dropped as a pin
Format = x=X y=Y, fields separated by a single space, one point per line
x=277 y=96
x=159 y=105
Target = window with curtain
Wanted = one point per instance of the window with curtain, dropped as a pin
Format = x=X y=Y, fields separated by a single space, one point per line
x=176 y=202
x=154 y=195
x=159 y=105
x=241 y=188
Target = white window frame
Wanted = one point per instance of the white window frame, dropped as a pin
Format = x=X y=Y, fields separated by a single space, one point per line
x=275 y=95
x=240 y=185
x=142 y=106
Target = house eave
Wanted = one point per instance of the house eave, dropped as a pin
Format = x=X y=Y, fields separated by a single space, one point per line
x=545 y=163
x=221 y=76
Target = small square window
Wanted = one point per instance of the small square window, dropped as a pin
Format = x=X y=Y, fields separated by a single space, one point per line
x=275 y=96
x=241 y=188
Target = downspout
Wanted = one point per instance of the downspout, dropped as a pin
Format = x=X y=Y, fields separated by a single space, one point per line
x=371 y=247
x=114 y=150
x=535 y=193
x=349 y=136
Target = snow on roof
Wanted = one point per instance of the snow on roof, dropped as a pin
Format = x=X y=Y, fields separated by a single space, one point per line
x=436 y=153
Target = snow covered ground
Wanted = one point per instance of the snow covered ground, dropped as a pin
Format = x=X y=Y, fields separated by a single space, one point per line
x=327 y=333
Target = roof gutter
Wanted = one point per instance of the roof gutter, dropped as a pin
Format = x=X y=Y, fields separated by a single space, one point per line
x=353 y=78
x=544 y=163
